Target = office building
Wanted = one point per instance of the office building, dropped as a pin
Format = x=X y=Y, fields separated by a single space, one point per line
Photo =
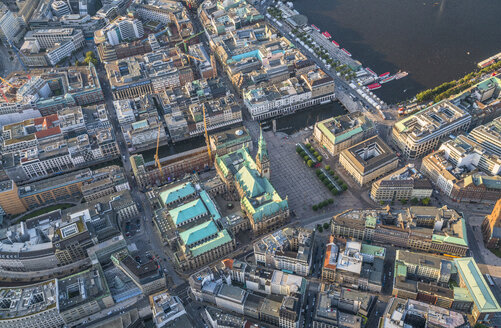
x=121 y=30
x=368 y=160
x=467 y=168
x=400 y=312
x=33 y=305
x=353 y=264
x=342 y=307
x=108 y=53
x=230 y=140
x=60 y=8
x=147 y=276
x=166 y=308
x=176 y=166
x=338 y=133
x=420 y=133
x=491 y=227
x=430 y=229
x=481 y=101
x=287 y=249
x=10 y=203
x=485 y=306
x=405 y=183
x=11 y=27
x=152 y=73
x=83 y=294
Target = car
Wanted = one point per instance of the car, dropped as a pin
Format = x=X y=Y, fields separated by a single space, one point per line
x=138 y=259
x=127 y=234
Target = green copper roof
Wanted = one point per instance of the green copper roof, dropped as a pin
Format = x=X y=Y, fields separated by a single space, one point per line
x=462 y=295
x=188 y=211
x=250 y=182
x=476 y=285
x=178 y=192
x=199 y=232
x=222 y=238
x=210 y=205
x=370 y=222
x=463 y=241
x=401 y=270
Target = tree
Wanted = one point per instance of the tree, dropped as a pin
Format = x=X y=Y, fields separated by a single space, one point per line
x=77 y=63
x=414 y=201
x=315 y=208
x=309 y=163
x=403 y=201
x=344 y=186
x=327 y=167
x=319 y=158
x=330 y=200
x=90 y=54
x=426 y=201
x=335 y=192
x=326 y=226
x=299 y=149
x=320 y=229
x=316 y=153
x=381 y=202
x=318 y=172
x=305 y=157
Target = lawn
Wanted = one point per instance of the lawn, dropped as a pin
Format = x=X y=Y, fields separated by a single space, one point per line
x=495 y=251
x=43 y=211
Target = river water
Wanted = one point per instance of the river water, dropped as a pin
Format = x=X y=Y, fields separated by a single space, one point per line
x=435 y=41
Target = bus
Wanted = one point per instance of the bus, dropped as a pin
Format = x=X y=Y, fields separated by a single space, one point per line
x=489 y=279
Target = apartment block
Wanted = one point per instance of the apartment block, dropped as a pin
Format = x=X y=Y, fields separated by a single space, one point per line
x=338 y=133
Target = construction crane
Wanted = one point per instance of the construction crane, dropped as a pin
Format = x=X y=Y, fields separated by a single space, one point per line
x=157 y=160
x=6 y=82
x=190 y=56
x=188 y=39
x=207 y=136
x=18 y=55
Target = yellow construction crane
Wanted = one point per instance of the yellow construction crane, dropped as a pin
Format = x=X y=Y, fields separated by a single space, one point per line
x=207 y=136
x=190 y=56
x=6 y=82
x=157 y=160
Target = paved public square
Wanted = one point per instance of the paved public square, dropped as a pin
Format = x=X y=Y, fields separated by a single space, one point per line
x=291 y=177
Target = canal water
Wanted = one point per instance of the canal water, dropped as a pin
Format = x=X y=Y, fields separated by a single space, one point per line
x=305 y=118
x=434 y=40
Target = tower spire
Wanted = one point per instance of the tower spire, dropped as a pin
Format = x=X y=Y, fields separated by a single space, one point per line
x=262 y=151
x=262 y=159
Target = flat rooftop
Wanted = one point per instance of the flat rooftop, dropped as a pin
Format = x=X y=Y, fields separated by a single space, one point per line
x=369 y=154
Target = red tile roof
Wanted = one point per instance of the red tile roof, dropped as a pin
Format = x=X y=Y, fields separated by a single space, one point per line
x=47 y=133
x=49 y=119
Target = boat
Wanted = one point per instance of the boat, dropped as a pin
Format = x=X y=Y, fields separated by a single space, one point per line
x=374 y=86
x=316 y=28
x=346 y=52
x=384 y=75
x=370 y=71
x=326 y=34
x=335 y=43
x=387 y=79
x=401 y=75
x=367 y=80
